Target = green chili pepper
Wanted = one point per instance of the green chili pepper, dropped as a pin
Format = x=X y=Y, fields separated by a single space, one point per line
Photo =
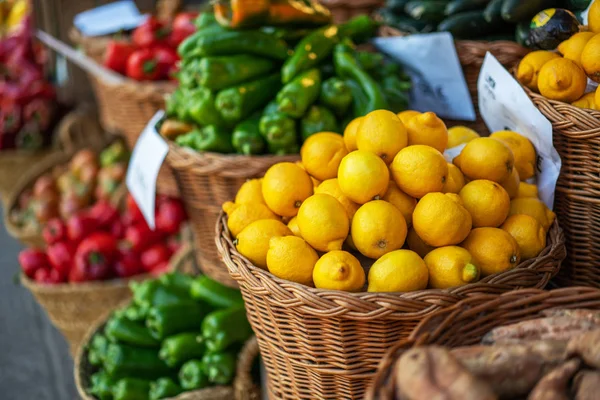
x=318 y=119
x=211 y=292
x=177 y=349
x=102 y=385
x=192 y=375
x=173 y=104
x=120 y=329
x=132 y=312
x=213 y=139
x=188 y=48
x=201 y=107
x=151 y=293
x=310 y=52
x=131 y=389
x=187 y=139
x=279 y=131
x=246 y=138
x=396 y=92
x=336 y=95
x=219 y=367
x=231 y=42
x=97 y=349
x=239 y=102
x=295 y=97
x=286 y=34
x=204 y=20
x=358 y=28
x=164 y=321
x=128 y=361
x=222 y=328
x=164 y=388
x=369 y=61
x=221 y=72
x=271 y=108
x=360 y=103
x=177 y=282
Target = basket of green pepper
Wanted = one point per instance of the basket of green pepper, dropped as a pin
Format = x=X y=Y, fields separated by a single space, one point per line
x=178 y=338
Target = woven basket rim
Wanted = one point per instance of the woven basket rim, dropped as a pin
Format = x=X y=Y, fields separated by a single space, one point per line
x=365 y=305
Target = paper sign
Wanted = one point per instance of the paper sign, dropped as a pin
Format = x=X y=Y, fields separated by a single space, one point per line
x=109 y=18
x=438 y=81
x=504 y=105
x=146 y=160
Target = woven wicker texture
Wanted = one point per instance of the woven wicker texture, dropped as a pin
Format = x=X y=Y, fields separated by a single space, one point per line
x=326 y=344
x=343 y=10
x=244 y=385
x=467 y=322
x=206 y=181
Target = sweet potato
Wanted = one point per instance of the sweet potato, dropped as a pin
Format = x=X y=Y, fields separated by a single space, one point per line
x=587 y=385
x=554 y=386
x=586 y=346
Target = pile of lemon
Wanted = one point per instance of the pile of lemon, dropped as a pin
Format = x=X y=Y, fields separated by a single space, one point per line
x=565 y=78
x=384 y=191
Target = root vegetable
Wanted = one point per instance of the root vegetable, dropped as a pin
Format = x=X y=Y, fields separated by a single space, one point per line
x=587 y=385
x=554 y=385
x=586 y=346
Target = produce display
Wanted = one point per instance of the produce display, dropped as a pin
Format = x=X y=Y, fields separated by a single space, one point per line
x=249 y=92
x=569 y=56
x=178 y=334
x=472 y=19
x=384 y=196
x=554 y=357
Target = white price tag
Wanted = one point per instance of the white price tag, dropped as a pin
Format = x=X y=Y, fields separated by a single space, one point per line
x=438 y=81
x=146 y=160
x=109 y=18
x=504 y=105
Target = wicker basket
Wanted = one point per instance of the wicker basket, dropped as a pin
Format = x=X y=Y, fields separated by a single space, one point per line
x=244 y=385
x=206 y=181
x=326 y=344
x=343 y=10
x=471 y=54
x=467 y=322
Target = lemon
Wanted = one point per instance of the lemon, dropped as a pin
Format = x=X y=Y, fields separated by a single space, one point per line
x=441 y=221
x=563 y=80
x=458 y=135
x=285 y=186
x=450 y=266
x=534 y=208
x=322 y=153
x=573 y=47
x=527 y=190
x=339 y=270
x=398 y=271
x=523 y=152
x=511 y=185
x=493 y=250
x=456 y=198
x=253 y=241
x=588 y=101
x=381 y=132
x=293 y=225
x=594 y=17
x=378 y=228
x=291 y=258
x=530 y=66
x=363 y=176
x=416 y=244
x=486 y=158
x=350 y=134
x=332 y=188
x=455 y=181
x=427 y=129
x=486 y=201
x=250 y=192
x=419 y=169
x=401 y=201
x=589 y=58
x=242 y=215
x=323 y=222
x=529 y=234
x=407 y=115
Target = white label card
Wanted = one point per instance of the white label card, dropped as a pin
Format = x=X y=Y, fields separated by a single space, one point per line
x=146 y=160
x=438 y=81
x=109 y=18
x=504 y=105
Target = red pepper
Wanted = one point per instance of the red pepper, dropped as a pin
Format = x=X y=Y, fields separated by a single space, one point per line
x=94 y=258
x=154 y=255
x=150 y=33
x=161 y=268
x=48 y=276
x=105 y=214
x=39 y=110
x=32 y=260
x=79 y=226
x=135 y=214
x=10 y=118
x=128 y=264
x=117 y=53
x=117 y=229
x=170 y=216
x=140 y=236
x=54 y=231
x=183 y=26
x=142 y=65
x=167 y=58
x=60 y=256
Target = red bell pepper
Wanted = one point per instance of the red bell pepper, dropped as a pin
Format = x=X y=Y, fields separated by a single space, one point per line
x=60 y=256
x=183 y=26
x=117 y=53
x=48 y=276
x=154 y=255
x=161 y=268
x=32 y=260
x=167 y=58
x=143 y=65
x=40 y=111
x=169 y=216
x=128 y=263
x=10 y=118
x=105 y=214
x=94 y=258
x=117 y=229
x=54 y=231
x=135 y=214
x=139 y=236
x=79 y=226
x=150 y=33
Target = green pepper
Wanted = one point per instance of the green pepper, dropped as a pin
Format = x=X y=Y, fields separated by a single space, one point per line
x=131 y=389
x=127 y=361
x=164 y=388
x=359 y=28
x=295 y=97
x=222 y=328
x=219 y=367
x=201 y=107
x=279 y=131
x=177 y=349
x=204 y=20
x=102 y=385
x=164 y=321
x=286 y=34
x=187 y=48
x=133 y=312
x=318 y=119
x=115 y=153
x=246 y=137
x=152 y=293
x=369 y=61
x=221 y=72
x=310 y=52
x=120 y=329
x=173 y=104
x=231 y=42
x=187 y=139
x=396 y=92
x=336 y=95
x=239 y=102
x=192 y=375
x=213 y=139
x=97 y=349
x=360 y=103
x=212 y=292
x=271 y=108
x=177 y=282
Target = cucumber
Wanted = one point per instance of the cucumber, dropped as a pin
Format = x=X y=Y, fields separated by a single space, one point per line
x=522 y=33
x=467 y=25
x=457 y=6
x=428 y=11
x=518 y=10
x=402 y=22
x=577 y=5
x=493 y=11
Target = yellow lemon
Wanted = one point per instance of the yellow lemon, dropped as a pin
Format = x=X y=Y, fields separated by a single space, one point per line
x=332 y=188
x=419 y=169
x=378 y=228
x=588 y=100
x=563 y=80
x=323 y=222
x=493 y=250
x=416 y=244
x=253 y=240
x=250 y=192
x=291 y=258
x=381 y=132
x=398 y=271
x=441 y=221
x=528 y=233
x=522 y=149
x=573 y=47
x=350 y=134
x=530 y=66
x=406 y=115
x=429 y=130
x=363 y=176
x=242 y=215
x=534 y=208
x=590 y=58
x=455 y=180
x=594 y=17
x=527 y=190
x=486 y=201
x=511 y=185
x=285 y=186
x=458 y=135
x=339 y=270
x=401 y=201
x=450 y=266
x=293 y=225
x=486 y=158
x=322 y=153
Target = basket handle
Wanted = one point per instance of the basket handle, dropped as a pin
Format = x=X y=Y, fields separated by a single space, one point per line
x=244 y=386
